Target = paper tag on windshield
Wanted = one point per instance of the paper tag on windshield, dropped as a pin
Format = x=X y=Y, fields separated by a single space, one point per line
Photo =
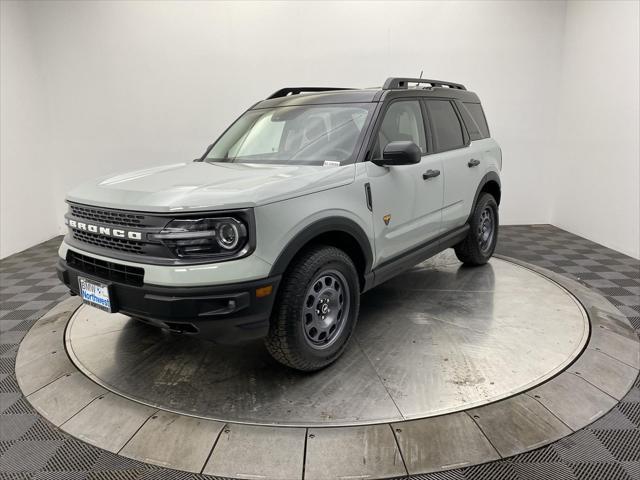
x=330 y=163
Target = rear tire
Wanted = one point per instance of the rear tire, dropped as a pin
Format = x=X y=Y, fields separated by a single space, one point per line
x=480 y=242
x=316 y=309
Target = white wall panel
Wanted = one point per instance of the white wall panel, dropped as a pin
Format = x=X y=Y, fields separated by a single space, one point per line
x=597 y=163
x=26 y=191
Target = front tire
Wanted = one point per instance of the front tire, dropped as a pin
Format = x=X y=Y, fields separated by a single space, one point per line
x=480 y=243
x=316 y=309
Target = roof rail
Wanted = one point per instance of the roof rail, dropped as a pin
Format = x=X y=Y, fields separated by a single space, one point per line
x=393 y=83
x=283 y=92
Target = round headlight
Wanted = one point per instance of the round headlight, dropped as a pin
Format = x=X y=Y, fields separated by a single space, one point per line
x=228 y=235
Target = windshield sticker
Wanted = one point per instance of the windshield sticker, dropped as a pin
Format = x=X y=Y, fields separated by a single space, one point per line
x=330 y=163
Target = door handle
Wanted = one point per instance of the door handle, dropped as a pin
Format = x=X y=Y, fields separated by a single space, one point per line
x=430 y=174
x=473 y=163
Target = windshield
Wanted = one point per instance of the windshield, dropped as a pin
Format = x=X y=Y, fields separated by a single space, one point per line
x=301 y=135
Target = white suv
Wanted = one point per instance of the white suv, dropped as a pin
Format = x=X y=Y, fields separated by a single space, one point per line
x=311 y=197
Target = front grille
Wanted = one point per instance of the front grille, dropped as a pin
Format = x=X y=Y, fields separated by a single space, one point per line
x=88 y=224
x=106 y=270
x=129 y=235
x=113 y=217
x=120 y=244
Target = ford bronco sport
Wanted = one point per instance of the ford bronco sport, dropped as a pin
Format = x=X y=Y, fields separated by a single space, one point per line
x=310 y=198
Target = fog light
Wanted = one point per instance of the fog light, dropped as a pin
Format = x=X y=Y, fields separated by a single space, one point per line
x=264 y=291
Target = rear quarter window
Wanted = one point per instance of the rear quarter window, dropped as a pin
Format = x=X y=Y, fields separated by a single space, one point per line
x=477 y=114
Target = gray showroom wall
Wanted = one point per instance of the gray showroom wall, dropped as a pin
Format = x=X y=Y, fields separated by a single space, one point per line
x=596 y=166
x=27 y=207
x=115 y=86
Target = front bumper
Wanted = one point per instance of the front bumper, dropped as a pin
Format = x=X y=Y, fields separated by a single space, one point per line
x=226 y=314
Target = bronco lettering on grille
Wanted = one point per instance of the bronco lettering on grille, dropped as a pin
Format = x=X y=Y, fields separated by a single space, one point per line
x=107 y=231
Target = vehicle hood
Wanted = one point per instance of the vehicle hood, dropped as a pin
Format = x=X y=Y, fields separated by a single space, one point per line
x=199 y=186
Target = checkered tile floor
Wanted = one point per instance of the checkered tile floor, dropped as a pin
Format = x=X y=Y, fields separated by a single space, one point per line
x=30 y=448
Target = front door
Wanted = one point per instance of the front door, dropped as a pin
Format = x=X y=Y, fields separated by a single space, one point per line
x=407 y=199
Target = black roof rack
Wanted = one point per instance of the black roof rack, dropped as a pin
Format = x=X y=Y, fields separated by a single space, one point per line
x=283 y=92
x=393 y=83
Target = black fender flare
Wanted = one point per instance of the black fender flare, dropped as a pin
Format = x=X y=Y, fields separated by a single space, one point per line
x=324 y=225
x=489 y=177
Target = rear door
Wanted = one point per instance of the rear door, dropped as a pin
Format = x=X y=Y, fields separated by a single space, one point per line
x=406 y=202
x=461 y=160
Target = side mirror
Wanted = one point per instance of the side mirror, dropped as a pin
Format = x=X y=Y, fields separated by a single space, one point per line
x=400 y=153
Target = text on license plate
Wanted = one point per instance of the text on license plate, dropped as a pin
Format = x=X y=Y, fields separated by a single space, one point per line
x=95 y=294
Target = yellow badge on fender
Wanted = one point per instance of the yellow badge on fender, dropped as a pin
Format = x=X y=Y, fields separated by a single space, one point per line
x=387 y=219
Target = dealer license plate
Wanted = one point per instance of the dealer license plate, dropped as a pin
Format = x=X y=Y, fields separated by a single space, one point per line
x=95 y=294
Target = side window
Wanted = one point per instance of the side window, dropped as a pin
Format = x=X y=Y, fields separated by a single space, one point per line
x=402 y=122
x=445 y=125
x=472 y=126
x=475 y=109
